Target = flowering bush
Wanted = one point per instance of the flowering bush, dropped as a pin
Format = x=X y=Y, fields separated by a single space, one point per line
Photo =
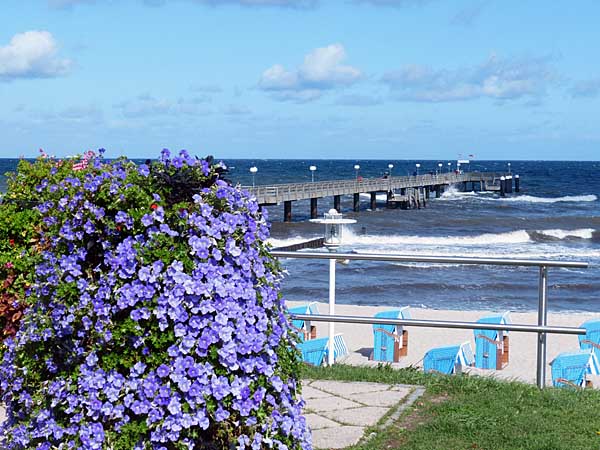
x=20 y=223
x=155 y=320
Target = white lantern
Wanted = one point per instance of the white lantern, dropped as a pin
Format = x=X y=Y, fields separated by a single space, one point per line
x=333 y=222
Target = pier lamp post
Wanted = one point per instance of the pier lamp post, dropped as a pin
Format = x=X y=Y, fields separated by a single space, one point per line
x=333 y=222
x=417 y=165
x=509 y=168
x=253 y=171
x=439 y=168
x=312 y=173
x=356 y=169
x=449 y=166
x=390 y=166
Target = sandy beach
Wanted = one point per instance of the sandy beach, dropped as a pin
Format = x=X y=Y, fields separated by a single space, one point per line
x=523 y=346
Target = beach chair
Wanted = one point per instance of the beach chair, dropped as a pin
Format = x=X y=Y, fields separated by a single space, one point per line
x=304 y=328
x=491 y=346
x=571 y=368
x=449 y=360
x=591 y=340
x=316 y=351
x=390 y=342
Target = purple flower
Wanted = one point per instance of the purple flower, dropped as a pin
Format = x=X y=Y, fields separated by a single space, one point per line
x=144 y=170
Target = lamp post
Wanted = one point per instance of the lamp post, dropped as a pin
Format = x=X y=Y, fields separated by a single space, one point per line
x=417 y=165
x=390 y=166
x=333 y=239
x=509 y=168
x=449 y=166
x=356 y=169
x=253 y=171
x=312 y=173
x=439 y=168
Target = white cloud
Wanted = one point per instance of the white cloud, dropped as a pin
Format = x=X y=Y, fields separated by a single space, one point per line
x=32 y=54
x=321 y=70
x=467 y=16
x=237 y=110
x=358 y=100
x=281 y=3
x=496 y=78
x=300 y=4
x=206 y=88
x=277 y=78
x=146 y=105
x=323 y=67
x=586 y=88
x=395 y=3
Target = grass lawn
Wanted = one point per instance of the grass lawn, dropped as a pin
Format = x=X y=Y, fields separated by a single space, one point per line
x=469 y=412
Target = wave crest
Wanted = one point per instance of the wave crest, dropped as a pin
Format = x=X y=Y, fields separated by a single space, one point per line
x=567 y=198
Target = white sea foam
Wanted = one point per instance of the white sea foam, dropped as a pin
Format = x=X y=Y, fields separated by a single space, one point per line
x=452 y=193
x=289 y=241
x=380 y=197
x=533 y=199
x=399 y=242
x=523 y=252
x=582 y=233
x=512 y=237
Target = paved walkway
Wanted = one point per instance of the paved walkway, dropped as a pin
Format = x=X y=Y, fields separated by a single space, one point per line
x=338 y=413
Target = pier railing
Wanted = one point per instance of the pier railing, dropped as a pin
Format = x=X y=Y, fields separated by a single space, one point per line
x=542 y=328
x=277 y=193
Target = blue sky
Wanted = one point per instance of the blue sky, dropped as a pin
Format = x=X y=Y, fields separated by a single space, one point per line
x=365 y=79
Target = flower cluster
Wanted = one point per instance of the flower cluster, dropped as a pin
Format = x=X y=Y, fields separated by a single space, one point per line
x=155 y=319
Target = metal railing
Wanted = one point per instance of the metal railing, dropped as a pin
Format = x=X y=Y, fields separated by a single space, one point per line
x=542 y=328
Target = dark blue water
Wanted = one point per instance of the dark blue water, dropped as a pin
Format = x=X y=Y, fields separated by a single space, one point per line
x=555 y=216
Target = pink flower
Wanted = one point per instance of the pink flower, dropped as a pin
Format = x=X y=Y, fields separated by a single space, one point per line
x=9 y=265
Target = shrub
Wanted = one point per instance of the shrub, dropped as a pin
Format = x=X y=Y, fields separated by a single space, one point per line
x=155 y=319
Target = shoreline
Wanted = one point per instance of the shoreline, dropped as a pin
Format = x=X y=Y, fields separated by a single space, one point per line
x=523 y=346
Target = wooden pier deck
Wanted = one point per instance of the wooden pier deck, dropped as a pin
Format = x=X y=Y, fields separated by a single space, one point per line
x=406 y=192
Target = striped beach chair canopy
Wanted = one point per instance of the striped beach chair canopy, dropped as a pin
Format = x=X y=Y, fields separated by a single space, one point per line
x=315 y=351
x=402 y=313
x=384 y=336
x=303 y=326
x=571 y=368
x=591 y=340
x=500 y=319
x=486 y=341
x=445 y=359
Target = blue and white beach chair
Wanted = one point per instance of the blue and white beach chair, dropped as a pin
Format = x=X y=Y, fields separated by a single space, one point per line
x=591 y=340
x=303 y=327
x=491 y=346
x=448 y=360
x=390 y=341
x=315 y=351
x=571 y=368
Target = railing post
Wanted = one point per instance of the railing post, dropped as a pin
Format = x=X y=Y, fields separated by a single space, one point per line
x=542 y=319
x=331 y=355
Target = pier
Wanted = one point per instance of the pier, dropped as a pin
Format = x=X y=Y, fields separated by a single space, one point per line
x=405 y=192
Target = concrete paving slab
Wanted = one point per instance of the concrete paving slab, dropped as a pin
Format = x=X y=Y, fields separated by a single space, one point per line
x=381 y=398
x=346 y=389
x=340 y=418
x=317 y=421
x=309 y=392
x=339 y=437
x=364 y=416
x=330 y=403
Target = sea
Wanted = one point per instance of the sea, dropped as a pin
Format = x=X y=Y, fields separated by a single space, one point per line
x=555 y=216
